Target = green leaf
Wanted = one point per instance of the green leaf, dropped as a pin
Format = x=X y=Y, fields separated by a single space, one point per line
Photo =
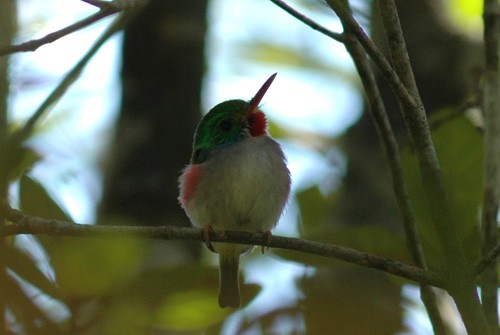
x=352 y=301
x=25 y=267
x=20 y=159
x=282 y=55
x=376 y=240
x=35 y=200
x=88 y=267
x=460 y=151
x=26 y=312
x=316 y=210
x=178 y=298
x=84 y=267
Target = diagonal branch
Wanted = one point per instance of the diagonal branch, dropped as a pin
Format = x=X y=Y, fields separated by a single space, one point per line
x=24 y=132
x=27 y=224
x=458 y=274
x=308 y=21
x=491 y=109
x=383 y=65
x=393 y=158
x=490 y=258
x=32 y=45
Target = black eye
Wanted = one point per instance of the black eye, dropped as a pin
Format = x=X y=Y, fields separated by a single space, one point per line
x=225 y=125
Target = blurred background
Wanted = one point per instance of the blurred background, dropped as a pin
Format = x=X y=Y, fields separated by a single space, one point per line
x=112 y=148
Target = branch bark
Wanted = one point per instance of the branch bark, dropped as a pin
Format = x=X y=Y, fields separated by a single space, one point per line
x=402 y=82
x=393 y=158
x=459 y=276
x=106 y=9
x=491 y=109
x=8 y=16
x=24 y=132
x=54 y=36
x=27 y=224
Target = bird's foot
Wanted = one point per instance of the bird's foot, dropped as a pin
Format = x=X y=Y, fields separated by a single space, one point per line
x=206 y=237
x=268 y=237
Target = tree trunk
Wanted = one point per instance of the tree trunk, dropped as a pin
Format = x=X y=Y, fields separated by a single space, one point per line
x=162 y=70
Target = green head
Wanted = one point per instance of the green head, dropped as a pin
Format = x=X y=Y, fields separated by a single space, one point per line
x=230 y=122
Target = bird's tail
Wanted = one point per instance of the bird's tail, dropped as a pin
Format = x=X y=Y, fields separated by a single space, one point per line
x=229 y=289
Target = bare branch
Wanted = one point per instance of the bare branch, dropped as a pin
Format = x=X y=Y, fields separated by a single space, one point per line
x=490 y=258
x=375 y=54
x=491 y=108
x=309 y=22
x=97 y=3
x=35 y=44
x=393 y=158
x=27 y=224
x=106 y=8
x=68 y=80
x=353 y=39
x=459 y=277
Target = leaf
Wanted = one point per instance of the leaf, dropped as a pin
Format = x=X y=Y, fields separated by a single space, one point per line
x=315 y=210
x=35 y=200
x=26 y=268
x=88 y=267
x=19 y=159
x=271 y=53
x=84 y=267
x=460 y=152
x=176 y=298
x=352 y=301
x=375 y=240
x=26 y=312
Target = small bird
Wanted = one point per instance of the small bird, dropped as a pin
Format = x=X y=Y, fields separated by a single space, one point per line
x=237 y=179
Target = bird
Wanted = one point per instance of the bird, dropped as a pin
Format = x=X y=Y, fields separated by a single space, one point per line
x=237 y=179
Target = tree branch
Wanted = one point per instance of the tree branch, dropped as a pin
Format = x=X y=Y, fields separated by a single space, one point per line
x=491 y=109
x=309 y=22
x=393 y=158
x=27 y=224
x=23 y=133
x=385 y=68
x=386 y=135
x=459 y=277
x=32 y=45
x=106 y=8
x=490 y=258
x=8 y=19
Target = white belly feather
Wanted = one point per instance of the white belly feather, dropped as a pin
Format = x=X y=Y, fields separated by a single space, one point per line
x=243 y=186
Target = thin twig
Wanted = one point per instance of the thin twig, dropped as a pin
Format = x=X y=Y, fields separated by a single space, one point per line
x=308 y=21
x=8 y=20
x=491 y=109
x=490 y=258
x=67 y=81
x=389 y=144
x=97 y=3
x=27 y=224
x=375 y=54
x=392 y=155
x=35 y=44
x=459 y=276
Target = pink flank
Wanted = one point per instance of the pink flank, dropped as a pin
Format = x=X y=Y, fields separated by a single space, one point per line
x=189 y=179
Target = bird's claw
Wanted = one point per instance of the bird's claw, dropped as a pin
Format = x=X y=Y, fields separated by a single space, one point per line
x=268 y=237
x=206 y=237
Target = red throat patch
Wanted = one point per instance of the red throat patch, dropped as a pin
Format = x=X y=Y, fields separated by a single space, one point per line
x=258 y=124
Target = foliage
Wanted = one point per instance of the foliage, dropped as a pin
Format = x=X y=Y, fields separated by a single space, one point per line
x=92 y=284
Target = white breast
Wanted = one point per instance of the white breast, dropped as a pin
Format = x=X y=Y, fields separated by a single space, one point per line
x=243 y=186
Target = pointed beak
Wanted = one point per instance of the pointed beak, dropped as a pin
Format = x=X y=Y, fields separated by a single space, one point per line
x=254 y=103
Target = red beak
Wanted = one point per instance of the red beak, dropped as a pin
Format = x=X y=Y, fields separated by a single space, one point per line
x=254 y=103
